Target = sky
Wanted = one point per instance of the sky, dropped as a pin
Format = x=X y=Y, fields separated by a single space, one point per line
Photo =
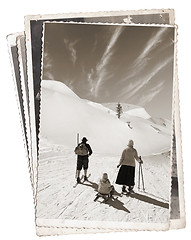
x=113 y=63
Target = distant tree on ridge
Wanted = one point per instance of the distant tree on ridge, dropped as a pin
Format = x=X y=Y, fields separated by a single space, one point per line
x=119 y=110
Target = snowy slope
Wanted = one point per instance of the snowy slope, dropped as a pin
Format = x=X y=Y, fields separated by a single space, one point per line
x=64 y=114
x=139 y=112
x=57 y=199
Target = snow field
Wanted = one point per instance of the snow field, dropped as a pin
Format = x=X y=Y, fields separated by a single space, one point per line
x=58 y=199
x=63 y=115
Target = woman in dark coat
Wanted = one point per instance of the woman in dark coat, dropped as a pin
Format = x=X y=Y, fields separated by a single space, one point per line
x=126 y=174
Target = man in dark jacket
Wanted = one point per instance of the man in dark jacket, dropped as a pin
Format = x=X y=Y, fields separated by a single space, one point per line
x=83 y=150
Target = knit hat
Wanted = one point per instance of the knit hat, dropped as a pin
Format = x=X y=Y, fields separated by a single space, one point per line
x=131 y=143
x=105 y=176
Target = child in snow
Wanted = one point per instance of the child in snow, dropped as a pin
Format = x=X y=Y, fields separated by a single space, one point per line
x=105 y=187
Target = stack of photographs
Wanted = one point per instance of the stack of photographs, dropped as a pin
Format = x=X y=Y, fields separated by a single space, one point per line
x=99 y=107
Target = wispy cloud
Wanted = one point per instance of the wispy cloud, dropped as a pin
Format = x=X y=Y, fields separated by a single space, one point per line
x=147 y=97
x=91 y=80
x=143 y=58
x=135 y=87
x=150 y=45
x=71 y=48
x=100 y=69
x=96 y=77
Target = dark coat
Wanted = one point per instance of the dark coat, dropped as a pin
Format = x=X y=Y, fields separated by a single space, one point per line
x=89 y=152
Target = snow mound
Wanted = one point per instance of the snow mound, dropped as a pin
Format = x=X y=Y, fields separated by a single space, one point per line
x=161 y=121
x=138 y=112
x=101 y=107
x=64 y=114
x=59 y=87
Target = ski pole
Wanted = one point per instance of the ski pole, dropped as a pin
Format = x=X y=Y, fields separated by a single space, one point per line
x=115 y=173
x=142 y=178
x=78 y=139
x=139 y=176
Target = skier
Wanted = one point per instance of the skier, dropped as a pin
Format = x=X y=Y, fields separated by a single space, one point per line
x=83 y=150
x=126 y=174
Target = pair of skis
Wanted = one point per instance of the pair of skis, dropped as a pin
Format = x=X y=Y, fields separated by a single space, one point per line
x=126 y=193
x=82 y=181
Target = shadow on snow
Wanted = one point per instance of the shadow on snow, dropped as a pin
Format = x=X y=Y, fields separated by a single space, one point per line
x=150 y=200
x=115 y=203
x=112 y=202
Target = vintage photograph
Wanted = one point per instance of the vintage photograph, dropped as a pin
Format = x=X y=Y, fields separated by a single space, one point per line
x=34 y=29
x=106 y=123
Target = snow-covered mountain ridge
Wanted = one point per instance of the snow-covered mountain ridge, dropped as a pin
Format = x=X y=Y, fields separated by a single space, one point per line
x=64 y=114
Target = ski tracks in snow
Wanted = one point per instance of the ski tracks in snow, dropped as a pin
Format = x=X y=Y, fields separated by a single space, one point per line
x=58 y=199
